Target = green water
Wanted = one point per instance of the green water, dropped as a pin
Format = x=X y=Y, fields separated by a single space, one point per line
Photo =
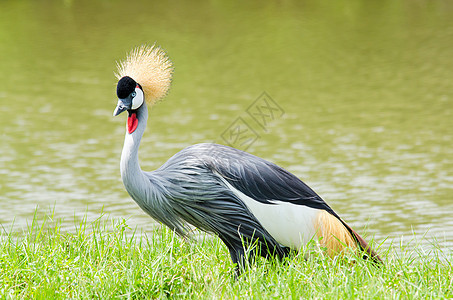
x=364 y=91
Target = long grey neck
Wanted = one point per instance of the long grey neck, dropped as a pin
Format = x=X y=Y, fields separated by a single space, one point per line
x=131 y=173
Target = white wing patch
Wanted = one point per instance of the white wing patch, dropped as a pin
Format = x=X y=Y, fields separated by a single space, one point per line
x=289 y=224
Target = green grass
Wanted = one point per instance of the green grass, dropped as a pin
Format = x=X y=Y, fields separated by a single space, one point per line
x=106 y=259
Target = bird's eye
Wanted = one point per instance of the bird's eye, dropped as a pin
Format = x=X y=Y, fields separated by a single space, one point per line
x=133 y=94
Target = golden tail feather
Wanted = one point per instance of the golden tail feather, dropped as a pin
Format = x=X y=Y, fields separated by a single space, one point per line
x=337 y=237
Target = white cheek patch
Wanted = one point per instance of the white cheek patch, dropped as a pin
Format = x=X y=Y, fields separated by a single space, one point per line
x=137 y=101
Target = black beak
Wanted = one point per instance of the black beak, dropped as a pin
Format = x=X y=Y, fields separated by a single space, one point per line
x=120 y=107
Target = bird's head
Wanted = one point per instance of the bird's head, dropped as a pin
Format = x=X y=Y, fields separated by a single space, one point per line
x=130 y=98
x=145 y=74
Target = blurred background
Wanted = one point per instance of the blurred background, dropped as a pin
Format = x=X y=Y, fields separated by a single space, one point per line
x=365 y=89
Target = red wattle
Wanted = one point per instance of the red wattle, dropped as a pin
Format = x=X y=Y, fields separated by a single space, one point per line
x=132 y=122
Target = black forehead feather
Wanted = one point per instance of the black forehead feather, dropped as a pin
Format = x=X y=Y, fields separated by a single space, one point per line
x=126 y=85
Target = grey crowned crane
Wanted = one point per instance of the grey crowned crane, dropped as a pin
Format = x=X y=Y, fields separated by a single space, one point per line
x=241 y=198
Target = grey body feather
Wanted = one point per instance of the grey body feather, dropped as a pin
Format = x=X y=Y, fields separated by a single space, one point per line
x=188 y=189
x=192 y=188
x=202 y=184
